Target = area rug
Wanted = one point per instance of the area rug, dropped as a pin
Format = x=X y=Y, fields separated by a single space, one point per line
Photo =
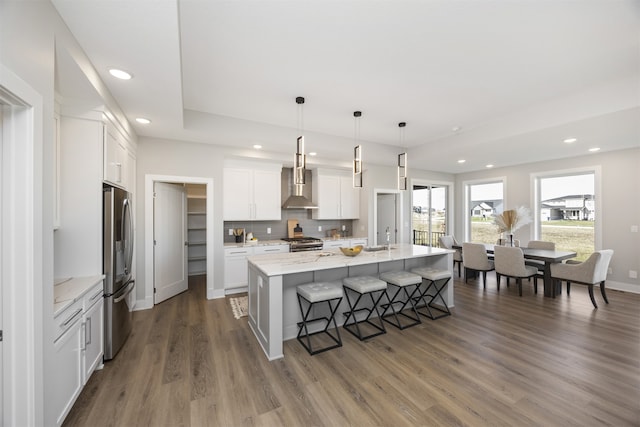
x=239 y=306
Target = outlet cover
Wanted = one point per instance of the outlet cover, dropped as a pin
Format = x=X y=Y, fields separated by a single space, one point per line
x=319 y=228
x=633 y=274
x=231 y=232
x=634 y=228
x=268 y=230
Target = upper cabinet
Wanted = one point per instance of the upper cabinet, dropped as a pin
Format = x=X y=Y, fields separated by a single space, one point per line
x=251 y=191
x=334 y=194
x=119 y=161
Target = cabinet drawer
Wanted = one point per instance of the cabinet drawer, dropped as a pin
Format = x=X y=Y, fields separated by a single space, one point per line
x=68 y=318
x=274 y=249
x=93 y=296
x=238 y=252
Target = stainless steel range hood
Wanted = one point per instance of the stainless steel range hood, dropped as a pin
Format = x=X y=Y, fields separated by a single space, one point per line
x=299 y=195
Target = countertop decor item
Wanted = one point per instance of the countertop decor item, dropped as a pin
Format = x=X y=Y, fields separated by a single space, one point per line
x=352 y=251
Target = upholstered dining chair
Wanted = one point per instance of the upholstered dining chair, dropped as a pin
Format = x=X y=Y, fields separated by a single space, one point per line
x=447 y=242
x=590 y=272
x=509 y=262
x=539 y=244
x=474 y=258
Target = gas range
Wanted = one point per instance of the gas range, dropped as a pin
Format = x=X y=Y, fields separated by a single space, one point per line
x=299 y=244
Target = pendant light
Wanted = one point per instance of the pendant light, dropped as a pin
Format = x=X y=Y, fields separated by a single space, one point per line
x=402 y=161
x=299 y=160
x=357 y=151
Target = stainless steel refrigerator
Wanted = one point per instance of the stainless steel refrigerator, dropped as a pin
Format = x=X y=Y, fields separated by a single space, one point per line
x=118 y=255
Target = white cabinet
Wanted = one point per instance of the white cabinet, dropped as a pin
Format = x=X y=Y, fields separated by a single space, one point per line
x=236 y=265
x=334 y=194
x=119 y=162
x=93 y=327
x=67 y=360
x=251 y=192
x=344 y=243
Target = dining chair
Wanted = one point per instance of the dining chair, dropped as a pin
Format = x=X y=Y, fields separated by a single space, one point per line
x=509 y=262
x=590 y=272
x=539 y=244
x=474 y=258
x=447 y=242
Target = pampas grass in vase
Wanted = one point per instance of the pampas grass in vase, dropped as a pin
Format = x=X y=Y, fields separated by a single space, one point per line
x=511 y=220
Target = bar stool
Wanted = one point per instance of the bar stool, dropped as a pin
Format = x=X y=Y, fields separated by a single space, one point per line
x=313 y=294
x=436 y=279
x=361 y=286
x=401 y=281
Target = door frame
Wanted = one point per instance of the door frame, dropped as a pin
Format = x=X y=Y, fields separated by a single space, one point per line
x=149 y=181
x=400 y=237
x=450 y=220
x=23 y=254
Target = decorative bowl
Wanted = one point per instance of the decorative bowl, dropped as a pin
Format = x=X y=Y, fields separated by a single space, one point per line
x=352 y=251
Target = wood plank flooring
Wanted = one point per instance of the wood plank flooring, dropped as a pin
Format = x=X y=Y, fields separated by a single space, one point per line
x=499 y=360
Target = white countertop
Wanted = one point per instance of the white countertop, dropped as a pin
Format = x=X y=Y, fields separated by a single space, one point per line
x=299 y=262
x=257 y=243
x=71 y=290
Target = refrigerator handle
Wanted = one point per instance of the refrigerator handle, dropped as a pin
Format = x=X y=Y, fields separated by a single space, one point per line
x=127 y=227
x=126 y=292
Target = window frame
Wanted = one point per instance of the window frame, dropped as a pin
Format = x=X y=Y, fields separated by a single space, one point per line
x=467 y=199
x=535 y=179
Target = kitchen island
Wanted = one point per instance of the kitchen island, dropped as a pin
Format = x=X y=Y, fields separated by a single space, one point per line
x=273 y=304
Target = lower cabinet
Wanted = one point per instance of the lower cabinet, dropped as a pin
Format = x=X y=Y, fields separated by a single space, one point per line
x=236 y=266
x=344 y=243
x=78 y=349
x=67 y=359
x=93 y=326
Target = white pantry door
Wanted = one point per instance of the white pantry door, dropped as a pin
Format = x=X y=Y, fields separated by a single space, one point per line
x=170 y=237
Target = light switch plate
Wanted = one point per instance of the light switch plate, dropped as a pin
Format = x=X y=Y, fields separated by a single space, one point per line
x=633 y=274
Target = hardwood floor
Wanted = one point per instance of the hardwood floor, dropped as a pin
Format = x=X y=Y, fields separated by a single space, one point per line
x=500 y=359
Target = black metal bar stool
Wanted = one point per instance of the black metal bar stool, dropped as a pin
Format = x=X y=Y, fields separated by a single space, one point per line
x=313 y=294
x=357 y=287
x=434 y=281
x=403 y=285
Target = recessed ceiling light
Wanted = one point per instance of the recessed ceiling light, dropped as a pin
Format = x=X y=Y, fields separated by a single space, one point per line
x=143 y=121
x=456 y=128
x=120 y=74
x=461 y=161
x=489 y=166
x=257 y=146
x=570 y=140
x=594 y=149
x=313 y=153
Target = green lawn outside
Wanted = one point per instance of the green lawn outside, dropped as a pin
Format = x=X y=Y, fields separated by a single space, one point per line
x=575 y=236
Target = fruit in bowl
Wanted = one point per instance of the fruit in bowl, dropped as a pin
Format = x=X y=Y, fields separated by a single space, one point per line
x=352 y=251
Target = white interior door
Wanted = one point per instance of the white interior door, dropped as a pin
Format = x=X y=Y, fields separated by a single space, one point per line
x=170 y=237
x=386 y=213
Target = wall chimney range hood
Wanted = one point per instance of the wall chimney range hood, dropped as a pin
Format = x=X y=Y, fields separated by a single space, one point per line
x=297 y=198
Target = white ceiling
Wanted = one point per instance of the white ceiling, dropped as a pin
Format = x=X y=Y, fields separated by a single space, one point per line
x=517 y=77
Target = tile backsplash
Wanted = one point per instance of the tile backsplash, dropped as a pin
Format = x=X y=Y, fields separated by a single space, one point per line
x=279 y=228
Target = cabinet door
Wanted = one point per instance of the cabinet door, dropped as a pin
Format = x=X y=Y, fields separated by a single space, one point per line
x=333 y=244
x=93 y=338
x=327 y=197
x=67 y=375
x=266 y=195
x=237 y=194
x=236 y=267
x=349 y=199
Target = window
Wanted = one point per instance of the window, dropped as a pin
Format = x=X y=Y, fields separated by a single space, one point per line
x=566 y=210
x=483 y=201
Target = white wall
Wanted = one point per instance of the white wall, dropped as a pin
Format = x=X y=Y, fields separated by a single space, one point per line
x=620 y=198
x=29 y=33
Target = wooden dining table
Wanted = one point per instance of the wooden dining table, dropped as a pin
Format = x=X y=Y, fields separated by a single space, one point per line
x=548 y=257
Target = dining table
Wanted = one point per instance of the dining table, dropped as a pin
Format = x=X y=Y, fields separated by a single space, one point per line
x=548 y=257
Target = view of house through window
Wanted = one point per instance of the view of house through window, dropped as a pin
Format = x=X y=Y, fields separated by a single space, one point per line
x=485 y=200
x=567 y=212
x=429 y=214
